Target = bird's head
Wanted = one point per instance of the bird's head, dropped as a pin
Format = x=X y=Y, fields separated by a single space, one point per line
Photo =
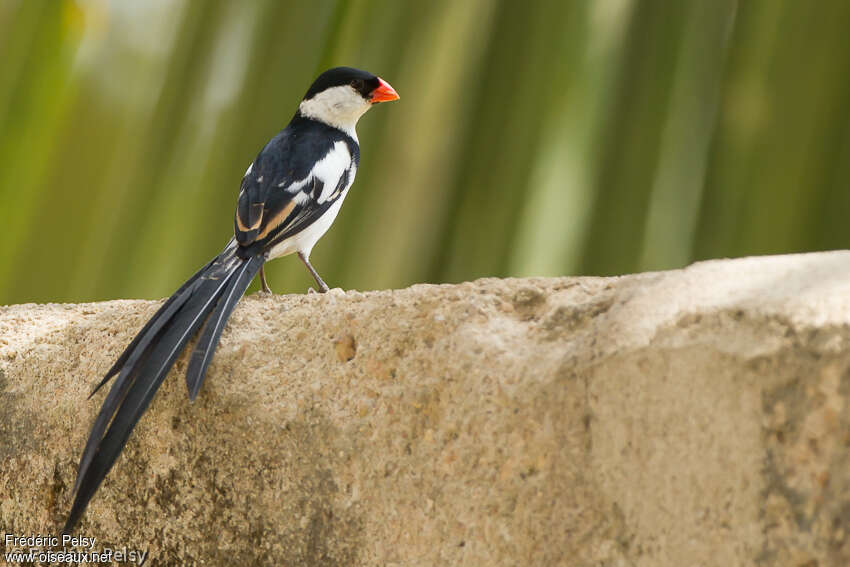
x=340 y=96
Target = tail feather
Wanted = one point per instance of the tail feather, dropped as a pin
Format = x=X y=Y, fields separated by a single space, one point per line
x=146 y=364
x=129 y=372
x=159 y=316
x=131 y=359
x=208 y=341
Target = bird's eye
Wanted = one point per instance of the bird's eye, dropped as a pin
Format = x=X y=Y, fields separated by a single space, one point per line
x=357 y=84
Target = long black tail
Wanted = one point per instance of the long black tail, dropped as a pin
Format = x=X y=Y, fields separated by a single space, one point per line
x=210 y=295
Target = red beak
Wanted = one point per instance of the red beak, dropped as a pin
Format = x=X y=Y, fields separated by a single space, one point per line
x=384 y=92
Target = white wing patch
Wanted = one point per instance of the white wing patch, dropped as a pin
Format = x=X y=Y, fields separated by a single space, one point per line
x=301 y=198
x=294 y=187
x=351 y=173
x=330 y=168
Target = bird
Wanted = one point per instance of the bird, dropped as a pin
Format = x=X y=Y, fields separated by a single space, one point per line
x=288 y=198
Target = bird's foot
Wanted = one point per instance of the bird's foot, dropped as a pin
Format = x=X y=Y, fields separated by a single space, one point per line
x=263 y=283
x=310 y=290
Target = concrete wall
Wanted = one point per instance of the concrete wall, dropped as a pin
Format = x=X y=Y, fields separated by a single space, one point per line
x=684 y=418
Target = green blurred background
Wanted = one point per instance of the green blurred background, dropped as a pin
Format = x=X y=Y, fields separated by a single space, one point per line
x=531 y=138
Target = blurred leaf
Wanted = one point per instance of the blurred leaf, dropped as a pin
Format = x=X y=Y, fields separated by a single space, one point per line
x=542 y=138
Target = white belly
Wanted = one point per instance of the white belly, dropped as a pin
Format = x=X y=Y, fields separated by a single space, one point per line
x=305 y=240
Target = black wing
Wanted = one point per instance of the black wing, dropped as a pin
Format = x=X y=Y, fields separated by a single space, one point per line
x=295 y=179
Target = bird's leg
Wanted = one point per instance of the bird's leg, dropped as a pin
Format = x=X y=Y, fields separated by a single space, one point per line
x=323 y=287
x=263 y=281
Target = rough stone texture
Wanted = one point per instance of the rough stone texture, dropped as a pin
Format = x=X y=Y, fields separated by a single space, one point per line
x=687 y=418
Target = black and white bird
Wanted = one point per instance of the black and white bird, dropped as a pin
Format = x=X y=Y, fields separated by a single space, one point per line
x=289 y=197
